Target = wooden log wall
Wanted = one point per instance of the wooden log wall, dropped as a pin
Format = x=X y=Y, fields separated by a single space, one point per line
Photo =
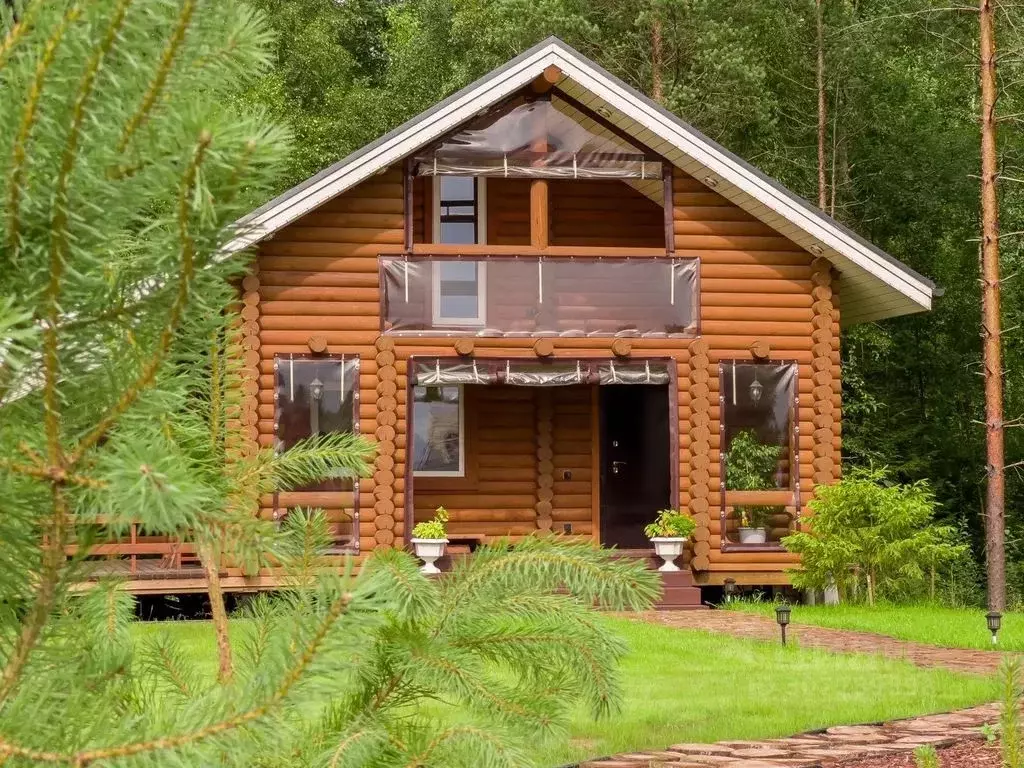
x=319 y=276
x=759 y=293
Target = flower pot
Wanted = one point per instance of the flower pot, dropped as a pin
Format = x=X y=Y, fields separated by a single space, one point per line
x=668 y=548
x=753 y=535
x=429 y=550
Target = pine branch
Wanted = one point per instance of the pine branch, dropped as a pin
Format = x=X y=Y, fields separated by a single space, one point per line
x=15 y=33
x=160 y=76
x=87 y=757
x=188 y=253
x=28 y=119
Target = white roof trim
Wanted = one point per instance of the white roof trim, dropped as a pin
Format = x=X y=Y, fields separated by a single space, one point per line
x=738 y=181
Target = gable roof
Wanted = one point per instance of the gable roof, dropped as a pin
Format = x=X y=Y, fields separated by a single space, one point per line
x=873 y=284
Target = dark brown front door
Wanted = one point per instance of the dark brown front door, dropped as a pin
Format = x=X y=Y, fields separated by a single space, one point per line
x=635 y=461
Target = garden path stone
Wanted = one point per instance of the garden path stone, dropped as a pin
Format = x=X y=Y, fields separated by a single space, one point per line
x=832 y=746
x=820 y=749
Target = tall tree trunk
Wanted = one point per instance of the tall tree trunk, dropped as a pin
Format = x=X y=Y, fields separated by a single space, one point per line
x=995 y=548
x=225 y=666
x=657 y=61
x=819 y=23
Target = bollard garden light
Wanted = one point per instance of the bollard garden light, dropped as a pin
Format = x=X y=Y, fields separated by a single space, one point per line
x=994 y=619
x=782 y=611
x=729 y=588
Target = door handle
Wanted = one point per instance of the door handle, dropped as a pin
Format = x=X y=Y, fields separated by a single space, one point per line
x=616 y=465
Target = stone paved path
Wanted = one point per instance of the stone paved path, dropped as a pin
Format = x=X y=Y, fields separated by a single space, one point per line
x=814 y=750
x=834 y=745
x=764 y=628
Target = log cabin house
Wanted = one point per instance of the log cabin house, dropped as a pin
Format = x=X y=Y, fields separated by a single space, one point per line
x=555 y=307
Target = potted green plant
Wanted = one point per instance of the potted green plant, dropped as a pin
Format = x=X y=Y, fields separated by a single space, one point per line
x=754 y=524
x=751 y=466
x=668 y=534
x=429 y=539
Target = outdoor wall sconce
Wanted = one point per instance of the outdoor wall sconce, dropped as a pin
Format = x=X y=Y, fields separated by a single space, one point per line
x=782 y=612
x=994 y=619
x=756 y=388
x=316 y=390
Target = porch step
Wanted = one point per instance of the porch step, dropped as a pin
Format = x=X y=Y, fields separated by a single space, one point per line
x=679 y=591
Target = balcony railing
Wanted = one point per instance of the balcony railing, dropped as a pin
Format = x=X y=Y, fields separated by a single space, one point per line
x=535 y=296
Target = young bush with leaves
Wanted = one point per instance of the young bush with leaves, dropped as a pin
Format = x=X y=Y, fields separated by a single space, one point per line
x=868 y=528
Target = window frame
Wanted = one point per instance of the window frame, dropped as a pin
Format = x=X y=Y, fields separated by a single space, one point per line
x=342 y=546
x=461 y=471
x=480 y=205
x=772 y=497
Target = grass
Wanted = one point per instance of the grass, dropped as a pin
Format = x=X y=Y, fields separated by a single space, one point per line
x=682 y=686
x=931 y=624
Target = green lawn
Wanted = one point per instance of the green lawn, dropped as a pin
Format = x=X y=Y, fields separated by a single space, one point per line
x=685 y=686
x=935 y=625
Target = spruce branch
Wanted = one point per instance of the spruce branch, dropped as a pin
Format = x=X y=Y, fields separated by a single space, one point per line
x=19 y=153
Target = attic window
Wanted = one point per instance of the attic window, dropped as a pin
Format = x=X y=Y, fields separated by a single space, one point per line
x=540 y=138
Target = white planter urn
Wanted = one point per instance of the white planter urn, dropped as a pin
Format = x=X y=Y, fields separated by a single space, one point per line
x=429 y=550
x=668 y=548
x=753 y=535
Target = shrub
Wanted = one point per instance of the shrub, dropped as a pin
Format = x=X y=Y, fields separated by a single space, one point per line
x=432 y=529
x=868 y=528
x=670 y=523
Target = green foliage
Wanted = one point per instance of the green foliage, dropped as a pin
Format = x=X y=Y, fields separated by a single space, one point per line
x=670 y=523
x=751 y=466
x=867 y=528
x=432 y=529
x=925 y=756
x=1011 y=742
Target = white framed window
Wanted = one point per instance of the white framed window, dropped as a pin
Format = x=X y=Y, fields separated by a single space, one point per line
x=459 y=288
x=439 y=431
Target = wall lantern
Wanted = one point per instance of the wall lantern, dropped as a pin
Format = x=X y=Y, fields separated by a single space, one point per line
x=994 y=619
x=756 y=389
x=316 y=389
x=782 y=612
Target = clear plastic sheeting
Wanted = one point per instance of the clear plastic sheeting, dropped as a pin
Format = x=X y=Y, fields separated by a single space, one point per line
x=759 y=404
x=530 y=296
x=613 y=372
x=438 y=372
x=315 y=396
x=537 y=139
x=539 y=373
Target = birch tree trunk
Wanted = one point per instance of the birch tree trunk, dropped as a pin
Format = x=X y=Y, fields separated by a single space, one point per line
x=995 y=550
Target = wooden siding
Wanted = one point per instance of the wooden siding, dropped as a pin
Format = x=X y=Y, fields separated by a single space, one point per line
x=319 y=276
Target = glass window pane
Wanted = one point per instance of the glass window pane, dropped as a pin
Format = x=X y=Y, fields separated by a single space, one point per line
x=458 y=232
x=314 y=397
x=758 y=423
x=457 y=188
x=459 y=307
x=437 y=425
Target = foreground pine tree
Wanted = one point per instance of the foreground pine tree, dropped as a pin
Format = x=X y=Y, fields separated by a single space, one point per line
x=124 y=158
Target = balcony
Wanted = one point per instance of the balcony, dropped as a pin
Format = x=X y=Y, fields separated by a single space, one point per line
x=522 y=296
